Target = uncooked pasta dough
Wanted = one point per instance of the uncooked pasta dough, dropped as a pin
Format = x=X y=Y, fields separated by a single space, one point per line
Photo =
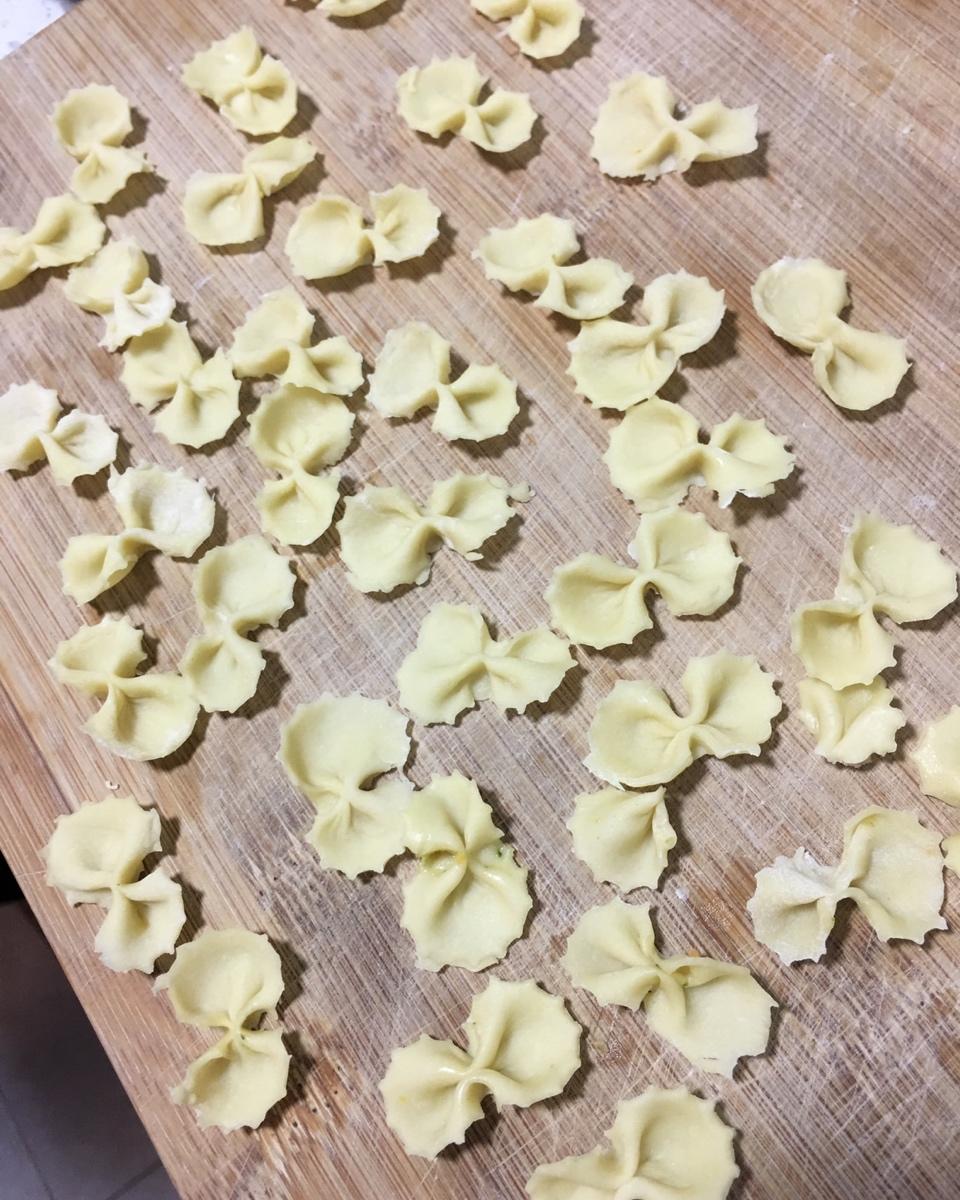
x=637 y=132
x=637 y=739
x=598 y=602
x=91 y=124
x=116 y=284
x=141 y=717
x=444 y=97
x=522 y=1046
x=624 y=837
x=468 y=898
x=412 y=372
x=951 y=850
x=66 y=230
x=801 y=299
x=937 y=758
x=540 y=28
x=230 y=980
x=348 y=8
x=714 y=1013
x=255 y=92
x=32 y=428
x=891 y=867
x=853 y=723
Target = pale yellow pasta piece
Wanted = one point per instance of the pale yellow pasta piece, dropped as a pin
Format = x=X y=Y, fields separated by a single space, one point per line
x=521 y=1047
x=329 y=237
x=598 y=602
x=255 y=92
x=891 y=867
x=655 y=456
x=540 y=28
x=387 y=539
x=116 y=284
x=951 y=851
x=66 y=231
x=142 y=717
x=160 y=510
x=617 y=364
x=335 y=751
x=91 y=124
x=937 y=758
x=637 y=739
x=230 y=980
x=95 y=856
x=624 y=837
x=637 y=132
x=468 y=899
x=444 y=97
x=457 y=664
x=663 y=1144
x=412 y=372
x=237 y=588
x=348 y=8
x=853 y=723
x=714 y=1013
x=32 y=428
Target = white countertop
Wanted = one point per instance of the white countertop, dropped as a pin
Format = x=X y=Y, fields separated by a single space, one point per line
x=21 y=19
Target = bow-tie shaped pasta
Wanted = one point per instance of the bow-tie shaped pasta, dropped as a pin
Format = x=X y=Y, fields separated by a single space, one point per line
x=329 y=238
x=91 y=124
x=160 y=510
x=164 y=364
x=655 y=456
x=66 y=230
x=142 y=717
x=468 y=899
x=256 y=93
x=227 y=209
x=274 y=340
x=598 y=602
x=95 y=856
x=116 y=284
x=937 y=759
x=891 y=868
x=637 y=739
x=443 y=98
x=714 y=1013
x=851 y=724
x=801 y=299
x=886 y=569
x=624 y=837
x=617 y=364
x=412 y=372
x=533 y=256
x=334 y=750
x=540 y=28
x=387 y=539
x=32 y=428
x=637 y=132
x=662 y=1144
x=230 y=979
x=237 y=588
x=522 y=1046
x=457 y=664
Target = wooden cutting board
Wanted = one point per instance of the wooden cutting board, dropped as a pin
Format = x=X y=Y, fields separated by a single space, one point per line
x=858 y=1097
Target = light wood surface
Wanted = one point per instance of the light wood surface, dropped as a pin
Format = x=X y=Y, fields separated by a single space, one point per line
x=858 y=1097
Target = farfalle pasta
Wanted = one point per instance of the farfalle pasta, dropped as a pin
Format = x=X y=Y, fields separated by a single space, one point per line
x=624 y=837
x=32 y=428
x=714 y=1013
x=540 y=28
x=617 y=364
x=201 y=399
x=597 y=602
x=444 y=97
x=457 y=664
x=637 y=739
x=387 y=539
x=534 y=256
x=227 y=209
x=937 y=758
x=116 y=284
x=801 y=299
x=255 y=92
x=335 y=751
x=91 y=124
x=521 y=1047
x=468 y=898
x=329 y=237
x=141 y=717
x=412 y=372
x=160 y=510
x=66 y=231
x=655 y=456
x=237 y=588
x=95 y=856
x=891 y=868
x=638 y=134
x=230 y=980
x=853 y=723
x=663 y=1144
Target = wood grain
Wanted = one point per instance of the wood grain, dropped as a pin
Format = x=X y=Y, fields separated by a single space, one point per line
x=859 y=1094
